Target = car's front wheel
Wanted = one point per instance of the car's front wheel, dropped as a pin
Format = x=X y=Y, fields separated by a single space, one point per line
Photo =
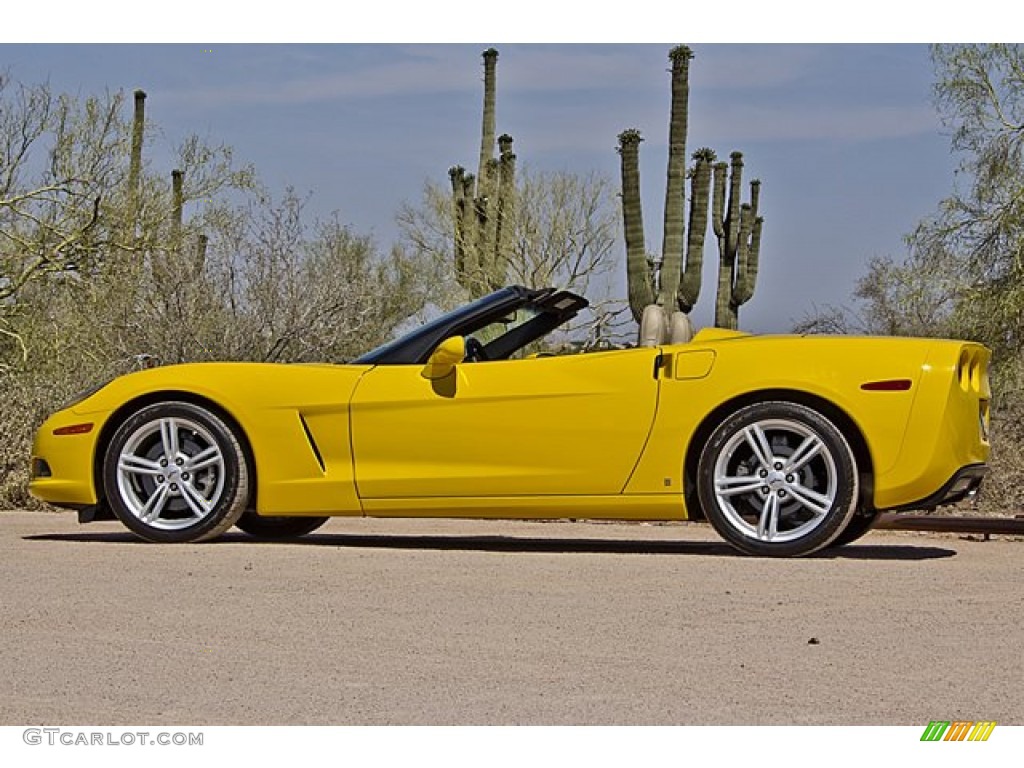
x=176 y=472
x=778 y=479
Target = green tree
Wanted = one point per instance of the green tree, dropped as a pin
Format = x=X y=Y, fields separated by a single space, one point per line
x=964 y=271
x=980 y=95
x=963 y=275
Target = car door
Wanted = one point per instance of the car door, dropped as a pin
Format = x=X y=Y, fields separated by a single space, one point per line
x=573 y=424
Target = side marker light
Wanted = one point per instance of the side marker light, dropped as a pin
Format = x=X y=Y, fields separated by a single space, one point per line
x=74 y=429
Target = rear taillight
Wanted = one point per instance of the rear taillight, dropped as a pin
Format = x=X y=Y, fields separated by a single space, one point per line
x=972 y=370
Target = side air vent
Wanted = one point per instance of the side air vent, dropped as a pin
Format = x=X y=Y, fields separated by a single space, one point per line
x=313 y=445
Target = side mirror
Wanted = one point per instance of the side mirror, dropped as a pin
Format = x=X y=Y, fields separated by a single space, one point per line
x=444 y=358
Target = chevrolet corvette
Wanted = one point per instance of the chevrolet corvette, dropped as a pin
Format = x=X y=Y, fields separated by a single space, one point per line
x=785 y=444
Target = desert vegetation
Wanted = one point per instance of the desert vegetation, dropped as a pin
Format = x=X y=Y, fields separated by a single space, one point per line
x=963 y=273
x=107 y=265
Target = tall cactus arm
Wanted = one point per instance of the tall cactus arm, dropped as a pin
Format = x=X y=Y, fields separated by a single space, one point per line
x=718 y=202
x=471 y=260
x=675 y=186
x=457 y=174
x=750 y=238
x=506 y=209
x=755 y=196
x=745 y=287
x=490 y=57
x=481 y=213
x=135 y=160
x=721 y=176
x=723 y=300
x=487 y=181
x=177 y=206
x=742 y=252
x=638 y=270
x=138 y=130
x=493 y=277
x=700 y=186
x=732 y=221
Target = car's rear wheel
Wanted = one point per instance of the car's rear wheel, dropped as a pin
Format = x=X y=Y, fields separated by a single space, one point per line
x=277 y=527
x=778 y=479
x=176 y=472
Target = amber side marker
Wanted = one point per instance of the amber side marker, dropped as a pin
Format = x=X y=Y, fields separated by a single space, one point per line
x=889 y=385
x=74 y=429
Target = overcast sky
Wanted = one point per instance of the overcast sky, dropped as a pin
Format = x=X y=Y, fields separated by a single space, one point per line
x=845 y=138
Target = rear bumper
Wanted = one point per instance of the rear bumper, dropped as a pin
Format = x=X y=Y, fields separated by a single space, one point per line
x=962 y=485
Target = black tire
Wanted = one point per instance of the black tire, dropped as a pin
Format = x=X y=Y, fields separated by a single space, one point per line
x=277 y=527
x=778 y=479
x=176 y=472
x=859 y=524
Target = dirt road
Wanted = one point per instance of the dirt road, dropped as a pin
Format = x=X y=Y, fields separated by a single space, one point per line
x=476 y=622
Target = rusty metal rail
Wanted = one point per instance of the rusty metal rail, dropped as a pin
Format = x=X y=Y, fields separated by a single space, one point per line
x=1008 y=526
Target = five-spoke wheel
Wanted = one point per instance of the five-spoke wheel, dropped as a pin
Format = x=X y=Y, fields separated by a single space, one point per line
x=778 y=479
x=176 y=472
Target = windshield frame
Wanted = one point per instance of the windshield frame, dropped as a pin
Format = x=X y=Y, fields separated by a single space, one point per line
x=415 y=347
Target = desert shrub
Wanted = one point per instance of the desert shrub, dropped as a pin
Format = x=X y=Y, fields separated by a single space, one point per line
x=263 y=282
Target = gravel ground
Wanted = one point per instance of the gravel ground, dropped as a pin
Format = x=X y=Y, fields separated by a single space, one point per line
x=482 y=622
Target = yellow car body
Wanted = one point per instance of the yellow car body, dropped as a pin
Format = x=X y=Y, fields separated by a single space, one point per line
x=611 y=434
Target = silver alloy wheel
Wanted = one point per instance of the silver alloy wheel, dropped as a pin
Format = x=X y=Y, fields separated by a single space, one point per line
x=170 y=473
x=775 y=480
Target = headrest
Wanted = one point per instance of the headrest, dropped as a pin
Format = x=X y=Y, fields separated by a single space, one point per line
x=653 y=326
x=658 y=327
x=680 y=328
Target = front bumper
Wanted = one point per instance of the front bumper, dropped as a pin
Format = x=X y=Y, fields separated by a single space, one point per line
x=62 y=464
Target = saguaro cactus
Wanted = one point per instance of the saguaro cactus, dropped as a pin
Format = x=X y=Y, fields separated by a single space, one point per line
x=673 y=281
x=135 y=160
x=737 y=227
x=177 y=206
x=483 y=206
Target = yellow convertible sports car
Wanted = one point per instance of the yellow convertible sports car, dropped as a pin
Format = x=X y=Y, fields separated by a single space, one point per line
x=785 y=444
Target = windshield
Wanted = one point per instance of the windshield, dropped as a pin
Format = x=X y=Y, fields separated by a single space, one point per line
x=438 y=326
x=498 y=325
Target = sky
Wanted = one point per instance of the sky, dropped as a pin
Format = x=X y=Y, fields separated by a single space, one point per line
x=844 y=137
